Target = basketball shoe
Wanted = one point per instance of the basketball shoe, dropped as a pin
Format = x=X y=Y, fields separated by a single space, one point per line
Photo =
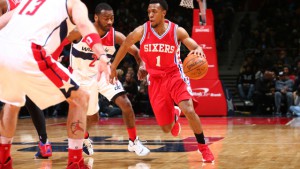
x=137 y=147
x=88 y=147
x=207 y=155
x=78 y=165
x=44 y=151
x=7 y=165
x=175 y=131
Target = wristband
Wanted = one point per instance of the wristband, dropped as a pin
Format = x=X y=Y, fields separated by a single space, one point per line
x=92 y=39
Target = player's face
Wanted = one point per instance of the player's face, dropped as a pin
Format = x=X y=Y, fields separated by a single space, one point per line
x=105 y=19
x=156 y=14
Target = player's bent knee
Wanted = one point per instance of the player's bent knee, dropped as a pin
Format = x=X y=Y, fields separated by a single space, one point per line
x=93 y=119
x=79 y=98
x=123 y=102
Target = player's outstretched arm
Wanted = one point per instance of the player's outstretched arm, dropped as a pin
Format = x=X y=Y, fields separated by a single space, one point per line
x=130 y=40
x=5 y=18
x=74 y=35
x=135 y=52
x=190 y=43
x=78 y=12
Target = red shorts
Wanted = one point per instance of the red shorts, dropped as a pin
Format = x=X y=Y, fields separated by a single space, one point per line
x=164 y=92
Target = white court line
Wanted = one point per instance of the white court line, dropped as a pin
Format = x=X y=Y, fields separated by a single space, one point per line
x=290 y=122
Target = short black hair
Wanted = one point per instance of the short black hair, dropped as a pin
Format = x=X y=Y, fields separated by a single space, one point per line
x=163 y=3
x=102 y=6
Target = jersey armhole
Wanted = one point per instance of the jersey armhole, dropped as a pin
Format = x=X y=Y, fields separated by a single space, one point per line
x=70 y=17
x=144 y=34
x=175 y=35
x=7 y=6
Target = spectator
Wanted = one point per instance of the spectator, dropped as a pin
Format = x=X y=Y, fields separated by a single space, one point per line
x=297 y=73
x=283 y=88
x=282 y=56
x=131 y=87
x=245 y=84
x=131 y=71
x=264 y=93
x=295 y=109
x=286 y=70
x=143 y=99
x=120 y=74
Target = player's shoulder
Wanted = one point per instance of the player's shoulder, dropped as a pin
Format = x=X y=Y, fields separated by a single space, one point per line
x=139 y=29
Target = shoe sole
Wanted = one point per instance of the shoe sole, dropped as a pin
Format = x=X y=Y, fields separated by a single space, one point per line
x=203 y=160
x=132 y=150
x=88 y=154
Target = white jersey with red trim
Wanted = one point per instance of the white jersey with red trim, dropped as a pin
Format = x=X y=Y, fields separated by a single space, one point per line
x=82 y=60
x=23 y=26
x=12 y=4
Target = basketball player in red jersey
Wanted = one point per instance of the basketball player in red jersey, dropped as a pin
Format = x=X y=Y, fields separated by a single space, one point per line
x=33 y=72
x=37 y=115
x=159 y=49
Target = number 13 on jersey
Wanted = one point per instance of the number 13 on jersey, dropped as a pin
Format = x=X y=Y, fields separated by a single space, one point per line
x=31 y=7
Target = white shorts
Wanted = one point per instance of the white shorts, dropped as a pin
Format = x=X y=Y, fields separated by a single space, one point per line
x=109 y=90
x=25 y=70
x=93 y=87
x=89 y=85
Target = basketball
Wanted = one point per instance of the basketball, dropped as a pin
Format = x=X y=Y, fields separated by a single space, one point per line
x=195 y=67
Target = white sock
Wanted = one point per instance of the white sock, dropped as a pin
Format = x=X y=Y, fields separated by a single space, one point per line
x=75 y=144
x=5 y=140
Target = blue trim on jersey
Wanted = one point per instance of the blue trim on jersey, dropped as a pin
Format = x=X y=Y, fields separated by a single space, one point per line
x=144 y=34
x=63 y=32
x=79 y=54
x=54 y=30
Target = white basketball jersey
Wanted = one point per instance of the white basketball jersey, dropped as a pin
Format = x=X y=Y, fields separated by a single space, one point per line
x=35 y=21
x=82 y=61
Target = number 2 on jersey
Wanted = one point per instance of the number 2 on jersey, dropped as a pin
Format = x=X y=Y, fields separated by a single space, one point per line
x=37 y=4
x=92 y=64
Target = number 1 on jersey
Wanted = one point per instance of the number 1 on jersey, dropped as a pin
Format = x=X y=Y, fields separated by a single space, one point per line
x=158 y=61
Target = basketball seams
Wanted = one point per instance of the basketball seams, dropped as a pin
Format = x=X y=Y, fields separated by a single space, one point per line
x=195 y=67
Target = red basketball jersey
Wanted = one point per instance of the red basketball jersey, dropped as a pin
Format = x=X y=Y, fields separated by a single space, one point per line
x=161 y=53
x=12 y=4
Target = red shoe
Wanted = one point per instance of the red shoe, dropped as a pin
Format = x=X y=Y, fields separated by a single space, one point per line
x=207 y=155
x=45 y=150
x=177 y=127
x=7 y=165
x=78 y=165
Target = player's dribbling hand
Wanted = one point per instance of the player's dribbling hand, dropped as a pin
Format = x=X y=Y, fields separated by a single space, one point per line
x=142 y=73
x=104 y=68
x=199 y=52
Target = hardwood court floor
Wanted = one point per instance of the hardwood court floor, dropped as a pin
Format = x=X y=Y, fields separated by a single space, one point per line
x=246 y=143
